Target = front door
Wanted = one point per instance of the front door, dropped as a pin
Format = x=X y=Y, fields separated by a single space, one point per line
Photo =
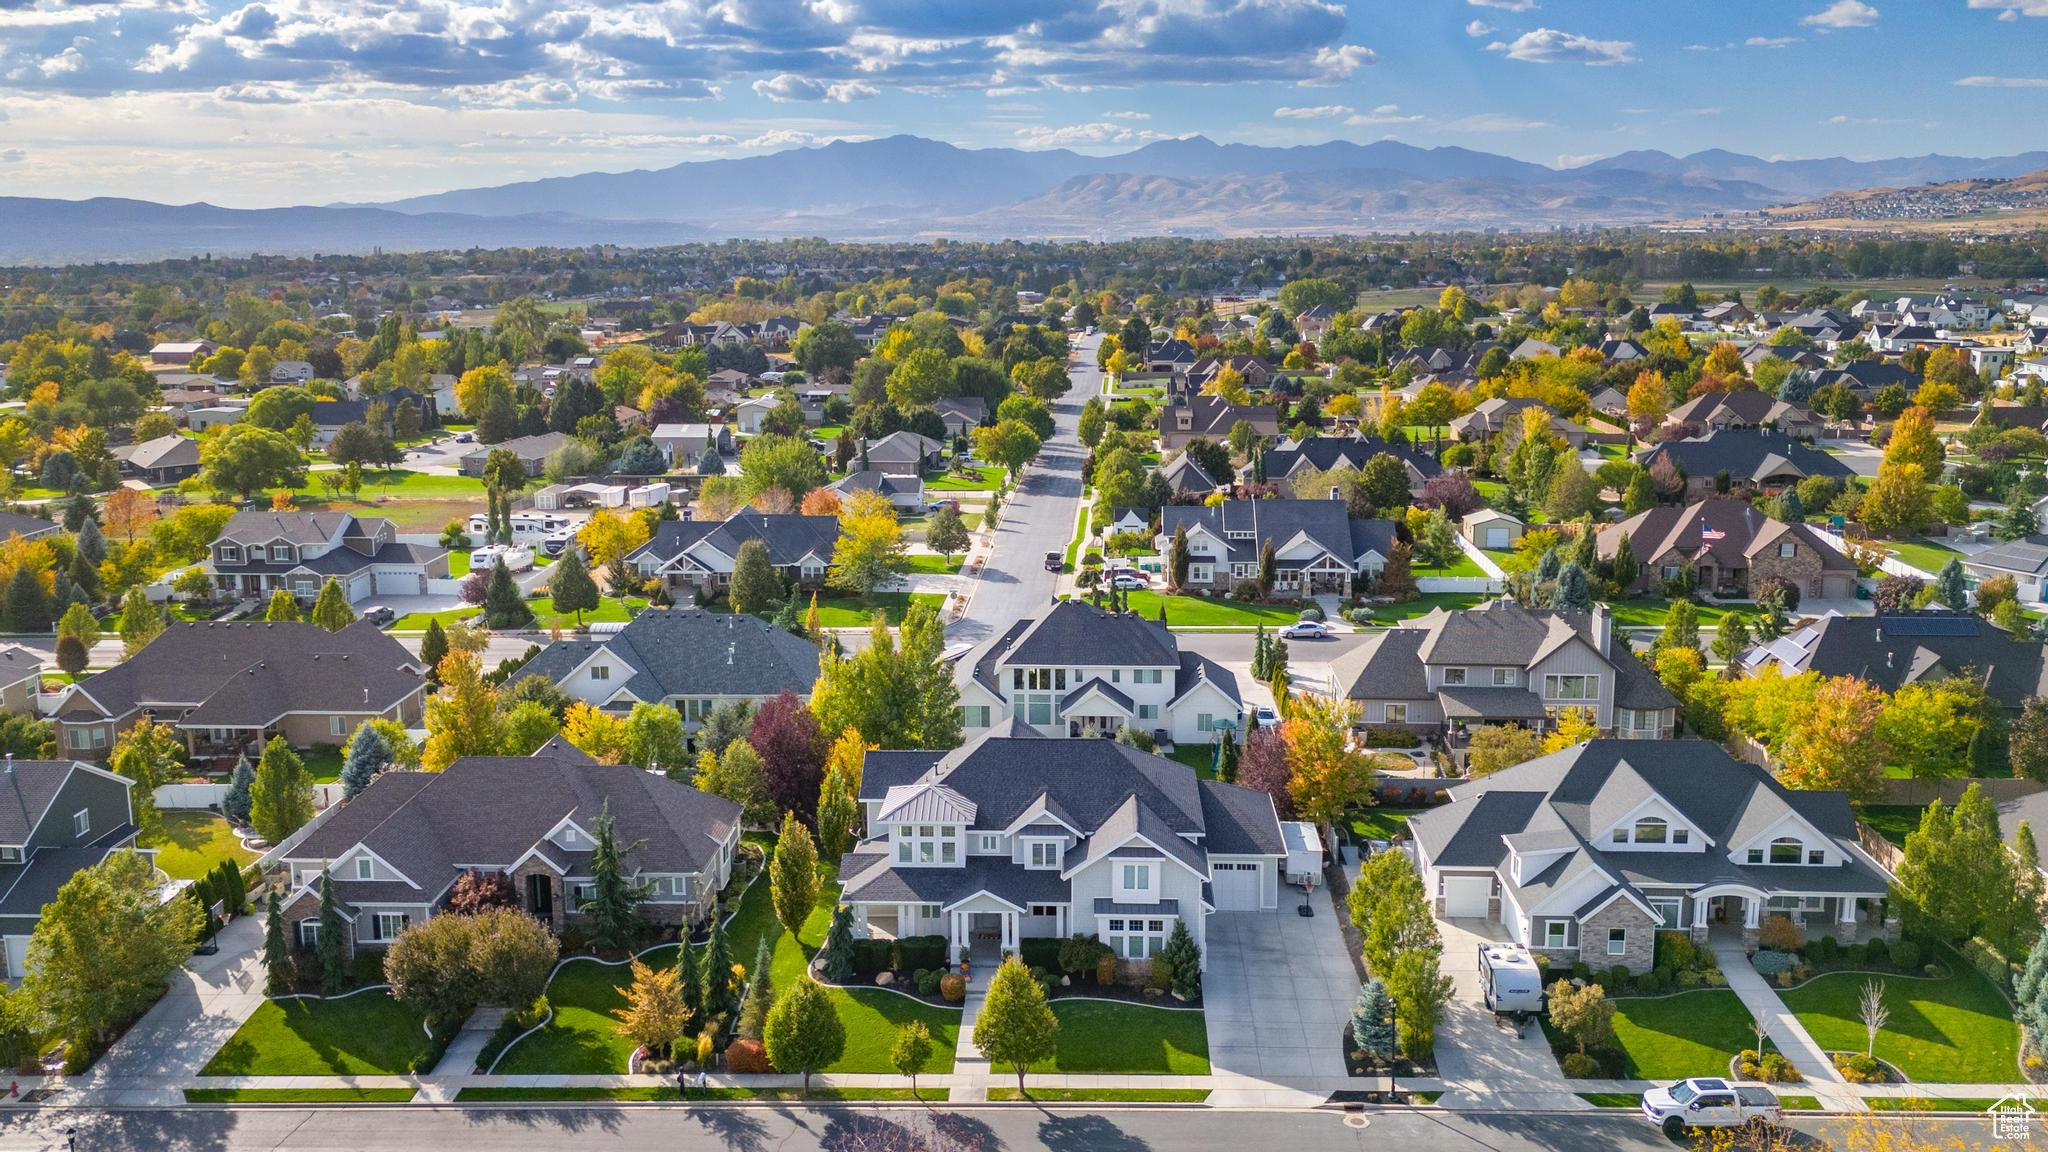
x=540 y=898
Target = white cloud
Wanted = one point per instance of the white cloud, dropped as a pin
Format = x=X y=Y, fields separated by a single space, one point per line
x=1550 y=46
x=2003 y=82
x=13 y=156
x=1843 y=14
x=1504 y=5
x=1128 y=115
x=1082 y=135
x=1495 y=122
x=788 y=87
x=1384 y=114
x=1574 y=160
x=67 y=61
x=1319 y=112
x=780 y=138
x=1771 y=41
x=2010 y=10
x=1478 y=28
x=1335 y=65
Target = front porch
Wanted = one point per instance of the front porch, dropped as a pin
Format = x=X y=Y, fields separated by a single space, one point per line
x=981 y=928
x=1731 y=914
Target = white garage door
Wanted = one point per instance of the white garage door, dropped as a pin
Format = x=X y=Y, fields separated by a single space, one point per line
x=1467 y=895
x=1499 y=536
x=1237 y=887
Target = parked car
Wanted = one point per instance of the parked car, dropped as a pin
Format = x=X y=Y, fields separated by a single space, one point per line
x=1709 y=1102
x=379 y=615
x=1128 y=582
x=1265 y=717
x=1306 y=630
x=465 y=438
x=1054 y=561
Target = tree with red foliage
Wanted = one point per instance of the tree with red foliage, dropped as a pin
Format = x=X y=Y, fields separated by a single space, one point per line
x=792 y=751
x=1263 y=766
x=476 y=891
x=1452 y=492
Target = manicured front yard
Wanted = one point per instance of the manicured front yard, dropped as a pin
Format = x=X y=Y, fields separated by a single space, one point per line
x=1101 y=1037
x=193 y=843
x=1423 y=605
x=609 y=610
x=581 y=1038
x=927 y=564
x=837 y=611
x=1650 y=611
x=1953 y=1031
x=987 y=477
x=367 y=1034
x=1202 y=612
x=1673 y=1037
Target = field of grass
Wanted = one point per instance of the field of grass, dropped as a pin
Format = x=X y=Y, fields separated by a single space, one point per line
x=1650 y=611
x=324 y=762
x=367 y=1034
x=1381 y=823
x=1465 y=566
x=418 y=621
x=298 y=1095
x=928 y=564
x=1423 y=605
x=987 y=477
x=1892 y=821
x=1200 y=757
x=1101 y=1037
x=1103 y=1095
x=609 y=610
x=1953 y=1031
x=1673 y=1037
x=401 y=484
x=1925 y=555
x=193 y=843
x=1202 y=612
x=407 y=514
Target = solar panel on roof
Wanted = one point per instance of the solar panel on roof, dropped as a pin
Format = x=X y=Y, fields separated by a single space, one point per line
x=1931 y=625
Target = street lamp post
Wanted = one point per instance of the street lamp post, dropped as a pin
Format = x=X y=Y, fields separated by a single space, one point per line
x=1393 y=1065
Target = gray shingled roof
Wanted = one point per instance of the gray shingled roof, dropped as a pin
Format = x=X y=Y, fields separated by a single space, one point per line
x=1746 y=454
x=1323 y=453
x=1387 y=666
x=26 y=791
x=1075 y=633
x=690 y=652
x=1891 y=651
x=789 y=538
x=243 y=675
x=868 y=877
x=1327 y=522
x=27 y=887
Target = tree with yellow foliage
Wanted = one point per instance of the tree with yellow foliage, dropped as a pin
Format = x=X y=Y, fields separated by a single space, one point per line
x=870 y=551
x=462 y=718
x=596 y=733
x=1649 y=398
x=609 y=537
x=1913 y=441
x=1574 y=726
x=848 y=755
x=1327 y=775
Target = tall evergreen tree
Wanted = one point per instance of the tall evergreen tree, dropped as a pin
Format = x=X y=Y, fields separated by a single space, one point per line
x=571 y=586
x=614 y=905
x=281 y=796
x=839 y=947
x=327 y=947
x=368 y=754
x=690 y=979
x=719 y=998
x=1226 y=757
x=760 y=992
x=433 y=647
x=1372 y=1024
x=277 y=958
x=331 y=611
x=28 y=606
x=504 y=607
x=235 y=805
x=1951 y=588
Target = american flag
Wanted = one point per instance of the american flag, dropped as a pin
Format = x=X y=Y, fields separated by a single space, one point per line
x=1712 y=534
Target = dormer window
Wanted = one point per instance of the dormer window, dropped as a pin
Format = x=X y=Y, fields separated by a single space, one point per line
x=1651 y=830
x=230 y=554
x=365 y=869
x=10 y=855
x=1786 y=850
x=280 y=552
x=1043 y=854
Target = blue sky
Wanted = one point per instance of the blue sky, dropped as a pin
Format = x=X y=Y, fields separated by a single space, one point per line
x=311 y=101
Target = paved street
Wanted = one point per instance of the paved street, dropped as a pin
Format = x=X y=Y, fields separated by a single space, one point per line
x=1038 y=517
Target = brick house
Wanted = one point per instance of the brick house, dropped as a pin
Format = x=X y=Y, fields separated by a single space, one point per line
x=1728 y=546
x=395 y=851
x=1587 y=853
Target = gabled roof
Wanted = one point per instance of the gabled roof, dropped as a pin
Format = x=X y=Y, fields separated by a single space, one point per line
x=904 y=446
x=1752 y=454
x=1326 y=522
x=690 y=652
x=262 y=526
x=27 y=789
x=1074 y=633
x=1732 y=532
x=1747 y=407
x=171 y=451
x=244 y=675
x=2028 y=554
x=1186 y=476
x=789 y=537
x=1324 y=453
x=1892 y=651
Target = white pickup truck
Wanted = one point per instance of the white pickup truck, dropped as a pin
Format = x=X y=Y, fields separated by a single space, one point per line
x=1706 y=1102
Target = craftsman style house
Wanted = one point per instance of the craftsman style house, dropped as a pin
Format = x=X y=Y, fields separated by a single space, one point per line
x=1500 y=663
x=395 y=851
x=57 y=818
x=1189 y=417
x=687 y=658
x=1329 y=453
x=1077 y=670
x=257 y=553
x=231 y=687
x=1584 y=855
x=1728 y=546
x=1015 y=836
x=1317 y=546
x=697 y=557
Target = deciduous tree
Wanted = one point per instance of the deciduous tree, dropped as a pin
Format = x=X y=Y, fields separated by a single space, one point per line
x=1016 y=1025
x=803 y=1033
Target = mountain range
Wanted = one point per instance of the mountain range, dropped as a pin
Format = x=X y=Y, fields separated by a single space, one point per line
x=902 y=187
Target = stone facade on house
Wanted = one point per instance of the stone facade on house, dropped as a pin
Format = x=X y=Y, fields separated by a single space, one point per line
x=1639 y=949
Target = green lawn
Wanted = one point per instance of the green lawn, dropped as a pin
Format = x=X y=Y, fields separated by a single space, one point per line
x=367 y=1034
x=1382 y=823
x=402 y=484
x=668 y=1093
x=1200 y=757
x=585 y=994
x=1465 y=566
x=1611 y=1099
x=1202 y=612
x=927 y=564
x=458 y=564
x=1673 y=1037
x=1649 y=612
x=1925 y=555
x=1105 y=1095
x=1101 y=1037
x=610 y=610
x=837 y=611
x=1892 y=821
x=986 y=478
x=193 y=843
x=1976 y=1104
x=324 y=762
x=1953 y=1031
x=418 y=621
x=1423 y=605
x=298 y=1095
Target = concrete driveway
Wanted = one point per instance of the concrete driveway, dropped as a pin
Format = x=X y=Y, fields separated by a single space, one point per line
x=1481 y=1061
x=1277 y=992
x=208 y=999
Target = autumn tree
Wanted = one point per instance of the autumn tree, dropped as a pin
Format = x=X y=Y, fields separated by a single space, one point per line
x=792 y=750
x=1835 y=745
x=462 y=718
x=870 y=550
x=654 y=1014
x=1326 y=775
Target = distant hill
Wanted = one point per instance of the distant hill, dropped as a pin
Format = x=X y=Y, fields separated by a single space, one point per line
x=1989 y=204
x=907 y=187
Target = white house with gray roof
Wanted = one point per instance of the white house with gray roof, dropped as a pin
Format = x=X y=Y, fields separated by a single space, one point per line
x=1016 y=836
x=259 y=552
x=57 y=817
x=1585 y=854
x=697 y=557
x=689 y=659
x=1077 y=670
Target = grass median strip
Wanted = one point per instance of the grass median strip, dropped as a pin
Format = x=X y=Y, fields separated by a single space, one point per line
x=1928 y=1103
x=1103 y=1095
x=668 y=1093
x=298 y=1095
x=1611 y=1099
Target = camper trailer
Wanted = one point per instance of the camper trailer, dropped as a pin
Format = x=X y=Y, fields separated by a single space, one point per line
x=1509 y=980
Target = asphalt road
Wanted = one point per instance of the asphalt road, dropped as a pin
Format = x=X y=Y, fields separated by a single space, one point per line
x=902 y=1129
x=1038 y=518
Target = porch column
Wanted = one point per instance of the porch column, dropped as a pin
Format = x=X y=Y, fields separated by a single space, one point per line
x=1752 y=912
x=1009 y=931
x=958 y=936
x=1059 y=921
x=1845 y=910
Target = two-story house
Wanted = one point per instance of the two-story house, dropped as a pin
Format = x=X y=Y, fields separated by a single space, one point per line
x=696 y=557
x=258 y=552
x=57 y=818
x=1317 y=546
x=228 y=687
x=395 y=851
x=1077 y=670
x=1587 y=853
x=1016 y=836
x=1727 y=545
x=1748 y=408
x=689 y=659
x=1893 y=650
x=1501 y=663
x=1189 y=417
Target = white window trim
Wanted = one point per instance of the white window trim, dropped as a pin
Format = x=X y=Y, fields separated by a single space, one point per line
x=366 y=869
x=1556 y=934
x=1617 y=947
x=81 y=822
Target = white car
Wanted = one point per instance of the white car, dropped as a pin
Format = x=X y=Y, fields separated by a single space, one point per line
x=1306 y=630
x=1710 y=1102
x=1126 y=582
x=1265 y=717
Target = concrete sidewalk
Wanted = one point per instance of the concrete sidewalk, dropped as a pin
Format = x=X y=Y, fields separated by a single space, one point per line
x=1782 y=1026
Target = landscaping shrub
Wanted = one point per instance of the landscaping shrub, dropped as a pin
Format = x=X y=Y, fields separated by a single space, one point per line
x=1689 y=979
x=1823 y=950
x=926 y=981
x=1775 y=1069
x=1676 y=951
x=1082 y=954
x=916 y=952
x=1858 y=1068
x=1315 y=614
x=1878 y=953
x=1579 y=1066
x=1856 y=955
x=953 y=986
x=747 y=1056
x=1160 y=974
x=1780 y=934
x=1715 y=978
x=1358 y=615
x=1041 y=953
x=1581 y=970
x=1770 y=963
x=1106 y=968
x=1991 y=962
x=870 y=957
x=1605 y=980
x=1391 y=738
x=1906 y=955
